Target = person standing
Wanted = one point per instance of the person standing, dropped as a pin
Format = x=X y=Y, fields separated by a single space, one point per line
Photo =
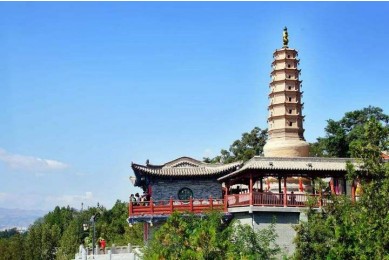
x=137 y=198
x=102 y=244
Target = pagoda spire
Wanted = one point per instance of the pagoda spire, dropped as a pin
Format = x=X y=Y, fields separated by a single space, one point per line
x=285 y=37
x=285 y=121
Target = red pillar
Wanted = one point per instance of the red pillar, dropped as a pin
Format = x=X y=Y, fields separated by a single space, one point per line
x=332 y=186
x=151 y=206
x=145 y=232
x=251 y=189
x=320 y=198
x=285 y=194
x=211 y=202
x=226 y=197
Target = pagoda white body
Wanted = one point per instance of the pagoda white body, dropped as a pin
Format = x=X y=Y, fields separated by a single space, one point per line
x=285 y=121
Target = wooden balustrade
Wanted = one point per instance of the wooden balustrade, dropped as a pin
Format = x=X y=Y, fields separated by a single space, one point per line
x=275 y=200
x=162 y=207
x=268 y=199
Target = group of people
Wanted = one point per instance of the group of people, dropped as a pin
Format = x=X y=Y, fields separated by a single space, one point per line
x=140 y=200
x=87 y=245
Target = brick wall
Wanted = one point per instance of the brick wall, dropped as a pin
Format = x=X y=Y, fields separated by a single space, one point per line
x=164 y=189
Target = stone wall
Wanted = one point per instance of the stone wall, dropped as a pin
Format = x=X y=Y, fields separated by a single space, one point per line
x=164 y=189
x=284 y=222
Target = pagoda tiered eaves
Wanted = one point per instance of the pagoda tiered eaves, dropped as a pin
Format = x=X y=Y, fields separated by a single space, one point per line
x=184 y=167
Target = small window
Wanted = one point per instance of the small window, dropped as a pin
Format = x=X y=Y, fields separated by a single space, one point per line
x=288 y=56
x=288 y=65
x=290 y=124
x=185 y=194
x=289 y=76
x=289 y=87
x=290 y=99
x=290 y=111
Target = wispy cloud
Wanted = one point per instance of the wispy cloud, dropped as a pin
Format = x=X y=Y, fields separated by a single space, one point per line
x=3 y=196
x=208 y=153
x=33 y=200
x=30 y=163
x=71 y=200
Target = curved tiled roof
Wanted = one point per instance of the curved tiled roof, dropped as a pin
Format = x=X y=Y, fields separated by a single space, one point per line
x=293 y=163
x=184 y=167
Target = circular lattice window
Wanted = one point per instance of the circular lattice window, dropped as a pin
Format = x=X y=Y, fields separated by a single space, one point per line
x=185 y=194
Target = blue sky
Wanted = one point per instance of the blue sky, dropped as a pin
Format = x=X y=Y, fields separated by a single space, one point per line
x=86 y=88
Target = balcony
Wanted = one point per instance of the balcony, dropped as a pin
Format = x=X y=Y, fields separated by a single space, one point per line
x=267 y=199
x=270 y=199
x=167 y=207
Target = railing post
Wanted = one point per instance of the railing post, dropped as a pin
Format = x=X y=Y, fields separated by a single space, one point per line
x=285 y=193
x=171 y=204
x=152 y=205
x=191 y=204
x=211 y=202
x=225 y=203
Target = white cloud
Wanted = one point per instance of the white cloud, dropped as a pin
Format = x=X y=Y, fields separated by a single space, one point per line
x=43 y=202
x=71 y=200
x=30 y=163
x=3 y=196
x=208 y=153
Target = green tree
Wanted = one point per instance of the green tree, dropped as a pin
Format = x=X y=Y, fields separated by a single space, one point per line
x=59 y=233
x=247 y=244
x=353 y=230
x=187 y=236
x=11 y=248
x=250 y=145
x=341 y=134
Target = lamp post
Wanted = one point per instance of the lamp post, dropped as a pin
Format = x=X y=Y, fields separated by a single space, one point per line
x=93 y=220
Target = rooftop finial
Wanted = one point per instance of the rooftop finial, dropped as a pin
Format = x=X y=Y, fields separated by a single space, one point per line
x=285 y=37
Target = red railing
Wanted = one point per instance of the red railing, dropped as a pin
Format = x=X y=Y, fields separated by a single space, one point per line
x=275 y=200
x=268 y=199
x=162 y=207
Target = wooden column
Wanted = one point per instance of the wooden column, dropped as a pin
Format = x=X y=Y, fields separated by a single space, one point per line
x=145 y=232
x=353 y=191
x=261 y=183
x=226 y=197
x=151 y=206
x=279 y=185
x=345 y=185
x=320 y=199
x=313 y=186
x=332 y=186
x=285 y=193
x=251 y=189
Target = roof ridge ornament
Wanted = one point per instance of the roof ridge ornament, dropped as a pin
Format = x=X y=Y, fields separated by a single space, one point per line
x=285 y=37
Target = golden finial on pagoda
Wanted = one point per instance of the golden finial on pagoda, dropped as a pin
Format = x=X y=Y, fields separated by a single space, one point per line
x=285 y=37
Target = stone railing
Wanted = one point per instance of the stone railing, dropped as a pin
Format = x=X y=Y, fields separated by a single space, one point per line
x=129 y=252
